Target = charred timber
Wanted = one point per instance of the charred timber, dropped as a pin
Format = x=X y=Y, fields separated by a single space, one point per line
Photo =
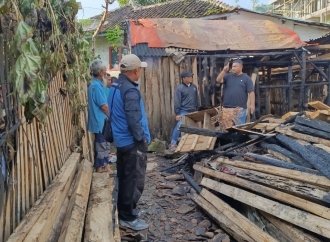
x=317 y=161
x=310 y=131
x=280 y=163
x=296 y=159
x=315 y=124
x=201 y=131
x=321 y=152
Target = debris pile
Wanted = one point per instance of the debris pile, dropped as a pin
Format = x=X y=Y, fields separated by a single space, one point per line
x=268 y=180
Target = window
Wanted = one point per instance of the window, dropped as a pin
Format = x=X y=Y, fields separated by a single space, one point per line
x=115 y=55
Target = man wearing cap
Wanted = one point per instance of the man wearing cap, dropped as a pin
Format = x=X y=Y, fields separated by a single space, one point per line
x=237 y=87
x=131 y=137
x=185 y=101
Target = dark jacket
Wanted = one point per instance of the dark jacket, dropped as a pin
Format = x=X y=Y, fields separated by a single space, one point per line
x=186 y=98
x=129 y=120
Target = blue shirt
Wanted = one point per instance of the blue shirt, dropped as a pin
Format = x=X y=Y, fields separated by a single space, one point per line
x=129 y=120
x=96 y=98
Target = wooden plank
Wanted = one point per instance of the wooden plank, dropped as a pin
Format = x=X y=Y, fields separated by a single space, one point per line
x=237 y=218
x=42 y=210
x=289 y=115
x=181 y=143
x=226 y=223
x=295 y=175
x=98 y=226
x=279 y=156
x=311 y=207
x=319 y=105
x=294 y=233
x=72 y=229
x=320 y=115
x=194 y=142
x=188 y=121
x=58 y=223
x=169 y=113
x=207 y=121
x=265 y=126
x=304 y=137
x=300 y=218
x=26 y=170
x=326 y=148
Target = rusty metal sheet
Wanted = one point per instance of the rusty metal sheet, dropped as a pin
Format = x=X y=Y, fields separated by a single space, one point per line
x=213 y=35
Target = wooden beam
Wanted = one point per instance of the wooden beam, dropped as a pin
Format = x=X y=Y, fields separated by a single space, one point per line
x=40 y=218
x=226 y=223
x=319 y=105
x=99 y=224
x=295 y=175
x=304 y=137
x=300 y=218
x=72 y=229
x=267 y=191
x=314 y=124
x=297 y=188
x=289 y=115
x=237 y=218
x=294 y=233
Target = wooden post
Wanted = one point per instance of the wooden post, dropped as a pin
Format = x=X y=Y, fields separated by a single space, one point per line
x=303 y=79
x=267 y=104
x=254 y=77
x=283 y=106
x=289 y=90
x=258 y=106
x=200 y=81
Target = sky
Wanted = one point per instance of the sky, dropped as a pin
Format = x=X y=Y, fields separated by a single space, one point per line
x=94 y=7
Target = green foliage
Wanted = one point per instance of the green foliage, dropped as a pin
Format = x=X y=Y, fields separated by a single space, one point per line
x=141 y=2
x=115 y=36
x=47 y=42
x=262 y=8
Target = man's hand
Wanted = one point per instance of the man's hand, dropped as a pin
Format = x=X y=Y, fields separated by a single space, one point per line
x=177 y=117
x=252 y=109
x=226 y=68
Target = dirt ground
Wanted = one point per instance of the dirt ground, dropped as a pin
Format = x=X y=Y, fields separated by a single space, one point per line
x=169 y=211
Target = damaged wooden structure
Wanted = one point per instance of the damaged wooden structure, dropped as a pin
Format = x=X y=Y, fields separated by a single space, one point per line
x=275 y=185
x=286 y=72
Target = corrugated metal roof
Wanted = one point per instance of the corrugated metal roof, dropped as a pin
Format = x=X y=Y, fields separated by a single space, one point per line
x=170 y=9
x=144 y=50
x=323 y=40
x=212 y=35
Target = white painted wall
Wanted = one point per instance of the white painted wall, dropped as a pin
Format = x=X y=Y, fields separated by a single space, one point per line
x=102 y=49
x=305 y=32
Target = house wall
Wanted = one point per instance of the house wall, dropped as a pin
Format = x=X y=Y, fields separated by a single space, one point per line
x=102 y=49
x=305 y=32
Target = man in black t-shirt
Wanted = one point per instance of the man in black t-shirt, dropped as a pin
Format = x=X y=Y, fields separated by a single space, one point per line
x=237 y=88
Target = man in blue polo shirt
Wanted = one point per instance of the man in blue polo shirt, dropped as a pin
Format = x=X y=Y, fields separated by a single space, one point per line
x=97 y=112
x=131 y=137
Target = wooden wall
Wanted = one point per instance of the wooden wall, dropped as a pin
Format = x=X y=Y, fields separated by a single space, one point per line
x=41 y=151
x=157 y=86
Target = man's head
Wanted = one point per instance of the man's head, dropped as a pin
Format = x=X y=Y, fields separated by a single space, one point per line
x=237 y=67
x=186 y=77
x=98 y=69
x=109 y=78
x=130 y=66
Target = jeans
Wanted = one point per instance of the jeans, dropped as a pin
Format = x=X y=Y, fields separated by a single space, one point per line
x=131 y=171
x=176 y=133
x=241 y=117
x=101 y=151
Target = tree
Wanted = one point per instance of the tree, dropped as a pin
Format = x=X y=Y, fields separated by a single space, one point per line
x=262 y=8
x=254 y=4
x=139 y=2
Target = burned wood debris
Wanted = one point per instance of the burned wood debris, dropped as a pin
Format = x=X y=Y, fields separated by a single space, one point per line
x=263 y=181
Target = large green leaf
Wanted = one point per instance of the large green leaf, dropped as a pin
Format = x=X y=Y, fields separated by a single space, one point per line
x=22 y=33
x=30 y=47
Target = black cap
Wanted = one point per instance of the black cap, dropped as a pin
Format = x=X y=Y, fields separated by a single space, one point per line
x=186 y=74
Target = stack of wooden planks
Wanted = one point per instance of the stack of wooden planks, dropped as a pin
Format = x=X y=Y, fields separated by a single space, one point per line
x=60 y=213
x=281 y=192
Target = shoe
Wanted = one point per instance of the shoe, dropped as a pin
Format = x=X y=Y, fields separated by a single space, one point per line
x=137 y=224
x=173 y=147
x=138 y=212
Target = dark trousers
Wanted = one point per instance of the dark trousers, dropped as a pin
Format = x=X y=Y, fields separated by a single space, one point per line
x=131 y=170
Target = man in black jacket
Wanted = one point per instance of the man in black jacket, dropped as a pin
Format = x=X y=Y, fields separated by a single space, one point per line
x=185 y=101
